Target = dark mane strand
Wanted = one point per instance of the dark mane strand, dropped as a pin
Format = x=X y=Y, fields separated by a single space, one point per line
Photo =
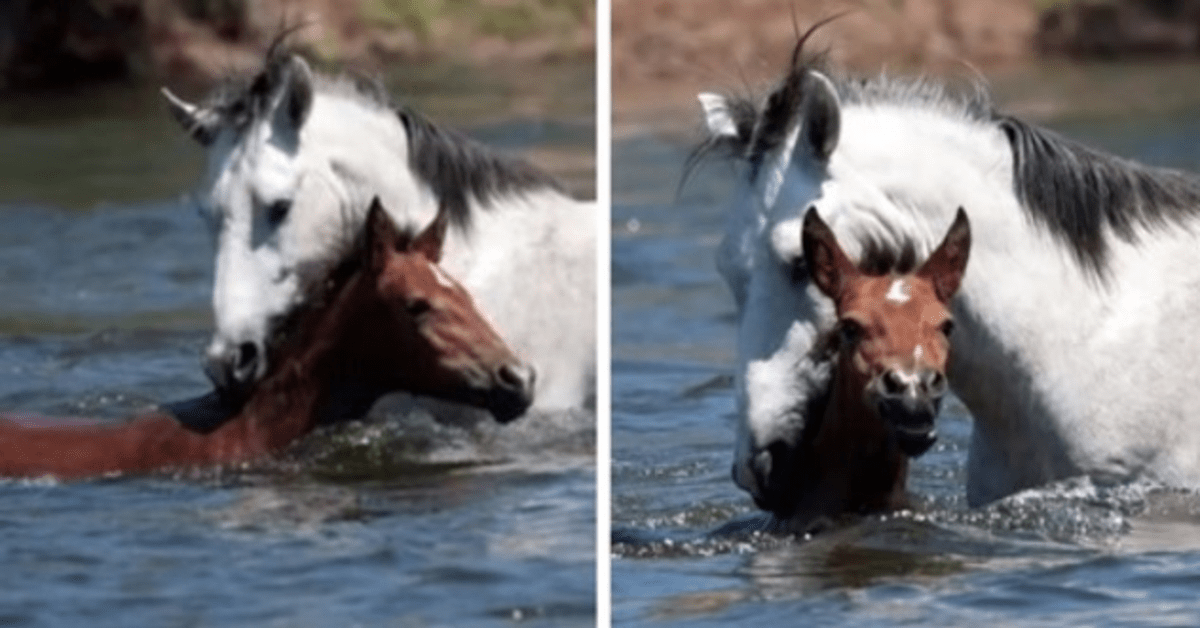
x=784 y=102
x=1076 y=192
x=457 y=168
x=880 y=259
x=239 y=100
x=762 y=128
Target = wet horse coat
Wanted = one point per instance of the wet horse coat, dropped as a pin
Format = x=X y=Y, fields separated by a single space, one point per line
x=388 y=316
x=1071 y=350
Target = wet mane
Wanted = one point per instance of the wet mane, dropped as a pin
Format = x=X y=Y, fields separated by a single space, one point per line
x=1077 y=192
x=456 y=168
x=1074 y=192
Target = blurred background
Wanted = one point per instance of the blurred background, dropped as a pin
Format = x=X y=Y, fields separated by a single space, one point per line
x=65 y=42
x=1036 y=53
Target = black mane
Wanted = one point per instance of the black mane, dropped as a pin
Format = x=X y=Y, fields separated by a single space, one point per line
x=1076 y=192
x=458 y=168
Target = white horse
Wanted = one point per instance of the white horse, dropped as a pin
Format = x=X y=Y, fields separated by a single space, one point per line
x=294 y=160
x=1073 y=347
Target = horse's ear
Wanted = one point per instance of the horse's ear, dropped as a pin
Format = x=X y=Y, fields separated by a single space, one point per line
x=429 y=241
x=827 y=264
x=822 y=117
x=200 y=123
x=717 y=116
x=946 y=266
x=382 y=237
x=293 y=96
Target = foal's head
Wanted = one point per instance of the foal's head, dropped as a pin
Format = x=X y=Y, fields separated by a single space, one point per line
x=889 y=350
x=416 y=329
x=891 y=341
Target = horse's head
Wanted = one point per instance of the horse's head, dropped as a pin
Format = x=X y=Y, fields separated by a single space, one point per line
x=288 y=156
x=791 y=149
x=891 y=339
x=425 y=332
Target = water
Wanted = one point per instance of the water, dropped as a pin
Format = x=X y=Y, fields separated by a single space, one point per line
x=1065 y=555
x=397 y=520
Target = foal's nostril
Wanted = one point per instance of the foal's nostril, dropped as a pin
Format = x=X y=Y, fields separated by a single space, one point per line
x=893 y=384
x=934 y=383
x=517 y=377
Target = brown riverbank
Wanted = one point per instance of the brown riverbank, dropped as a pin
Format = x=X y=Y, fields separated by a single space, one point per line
x=665 y=51
x=70 y=42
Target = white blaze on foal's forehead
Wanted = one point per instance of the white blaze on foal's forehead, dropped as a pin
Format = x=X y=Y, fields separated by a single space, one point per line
x=898 y=292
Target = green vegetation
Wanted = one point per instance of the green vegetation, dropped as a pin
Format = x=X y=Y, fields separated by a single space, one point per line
x=514 y=20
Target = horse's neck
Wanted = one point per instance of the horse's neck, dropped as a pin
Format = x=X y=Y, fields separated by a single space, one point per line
x=1024 y=313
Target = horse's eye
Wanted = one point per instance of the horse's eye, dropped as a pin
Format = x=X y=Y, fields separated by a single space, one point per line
x=278 y=211
x=947 y=327
x=849 y=332
x=799 y=269
x=417 y=307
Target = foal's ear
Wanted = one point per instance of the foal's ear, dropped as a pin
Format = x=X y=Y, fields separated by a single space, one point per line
x=827 y=263
x=429 y=241
x=945 y=267
x=382 y=237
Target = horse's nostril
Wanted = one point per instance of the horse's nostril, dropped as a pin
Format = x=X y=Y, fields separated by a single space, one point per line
x=247 y=360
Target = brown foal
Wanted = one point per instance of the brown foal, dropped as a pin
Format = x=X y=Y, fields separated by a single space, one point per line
x=389 y=314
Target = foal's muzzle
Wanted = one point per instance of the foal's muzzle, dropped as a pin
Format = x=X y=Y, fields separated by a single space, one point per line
x=909 y=401
x=511 y=392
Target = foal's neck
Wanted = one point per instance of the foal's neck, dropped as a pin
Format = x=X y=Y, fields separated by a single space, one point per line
x=287 y=403
x=861 y=466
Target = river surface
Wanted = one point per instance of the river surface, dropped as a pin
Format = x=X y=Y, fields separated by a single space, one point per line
x=1071 y=554
x=396 y=520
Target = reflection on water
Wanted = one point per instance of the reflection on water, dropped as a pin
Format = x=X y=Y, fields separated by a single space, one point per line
x=686 y=550
x=105 y=286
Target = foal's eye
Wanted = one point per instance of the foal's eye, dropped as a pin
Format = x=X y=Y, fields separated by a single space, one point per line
x=417 y=307
x=947 y=327
x=849 y=332
x=278 y=211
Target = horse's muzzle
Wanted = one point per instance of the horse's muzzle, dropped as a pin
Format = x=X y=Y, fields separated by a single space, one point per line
x=511 y=393
x=233 y=369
